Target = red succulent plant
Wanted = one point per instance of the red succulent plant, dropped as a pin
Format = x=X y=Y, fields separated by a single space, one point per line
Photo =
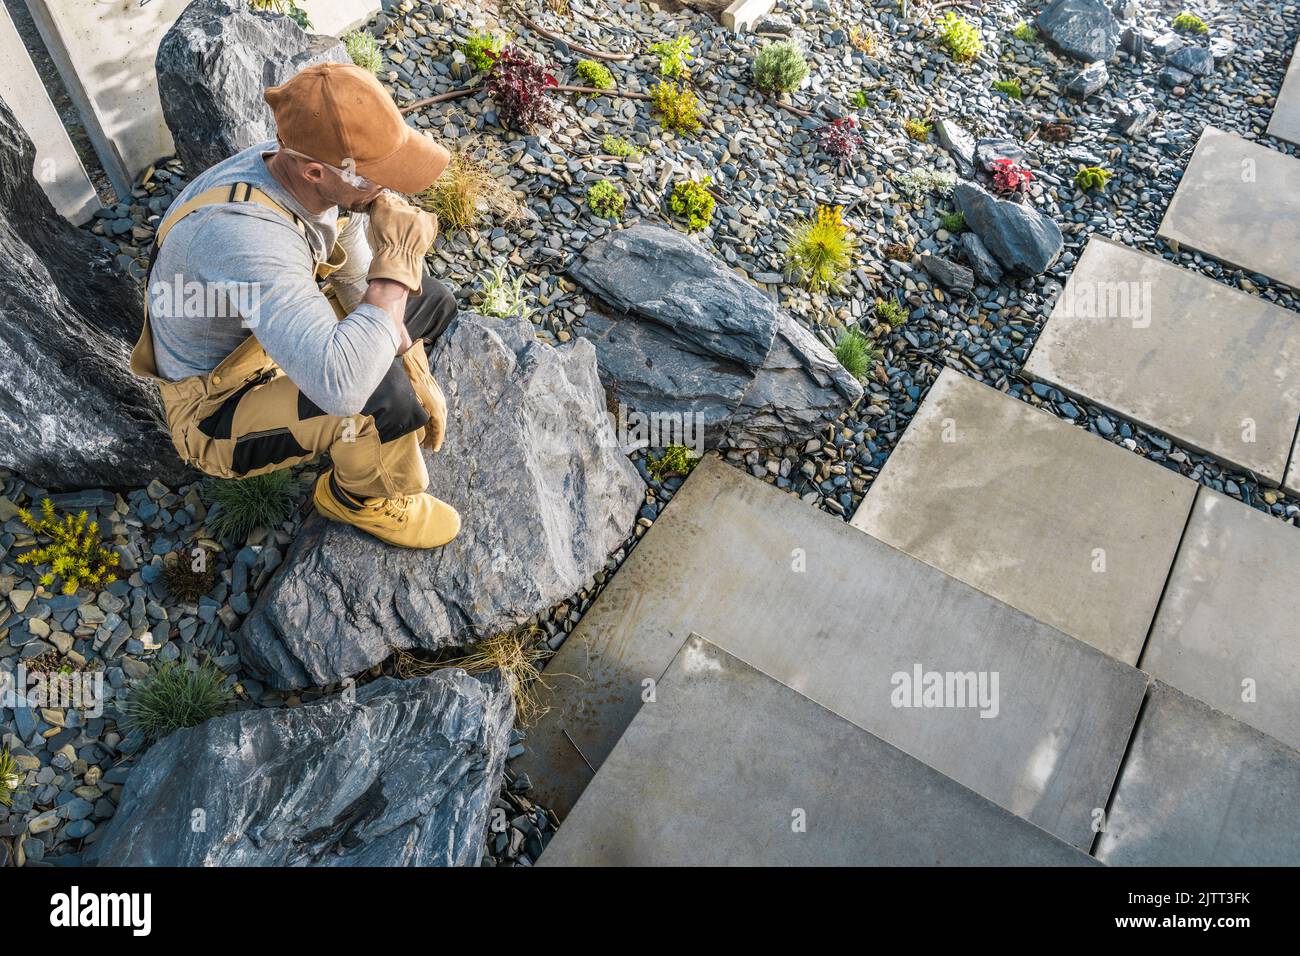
x=1008 y=177
x=518 y=85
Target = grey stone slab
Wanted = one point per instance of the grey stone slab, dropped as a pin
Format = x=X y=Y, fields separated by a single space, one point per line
x=835 y=614
x=1226 y=628
x=1201 y=789
x=1285 y=122
x=1210 y=366
x=1291 y=483
x=1069 y=528
x=726 y=764
x=1239 y=202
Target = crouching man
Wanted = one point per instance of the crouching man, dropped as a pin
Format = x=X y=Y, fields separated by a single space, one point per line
x=260 y=369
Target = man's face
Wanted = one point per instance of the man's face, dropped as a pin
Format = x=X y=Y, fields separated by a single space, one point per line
x=349 y=197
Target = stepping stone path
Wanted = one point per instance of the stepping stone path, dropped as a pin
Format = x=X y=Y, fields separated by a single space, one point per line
x=727 y=760
x=1212 y=367
x=1228 y=616
x=835 y=615
x=1201 y=789
x=1239 y=202
x=1285 y=123
x=1069 y=528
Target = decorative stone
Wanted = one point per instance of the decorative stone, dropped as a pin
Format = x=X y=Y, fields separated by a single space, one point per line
x=1083 y=29
x=1022 y=239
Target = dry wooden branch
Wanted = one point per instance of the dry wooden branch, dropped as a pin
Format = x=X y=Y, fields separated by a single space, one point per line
x=441 y=98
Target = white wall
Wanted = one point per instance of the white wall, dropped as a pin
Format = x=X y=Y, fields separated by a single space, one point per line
x=58 y=169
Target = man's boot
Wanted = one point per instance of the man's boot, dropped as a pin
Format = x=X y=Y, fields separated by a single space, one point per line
x=411 y=521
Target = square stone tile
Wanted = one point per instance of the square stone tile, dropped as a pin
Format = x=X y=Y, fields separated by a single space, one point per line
x=1285 y=122
x=1227 y=625
x=1239 y=202
x=1201 y=789
x=836 y=615
x=719 y=768
x=1064 y=525
x=1212 y=367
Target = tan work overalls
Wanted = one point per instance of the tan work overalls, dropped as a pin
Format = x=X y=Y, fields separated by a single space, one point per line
x=246 y=417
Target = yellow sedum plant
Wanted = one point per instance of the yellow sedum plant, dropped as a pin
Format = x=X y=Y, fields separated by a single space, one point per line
x=74 y=552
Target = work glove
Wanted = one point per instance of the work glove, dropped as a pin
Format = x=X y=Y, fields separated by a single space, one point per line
x=416 y=363
x=400 y=234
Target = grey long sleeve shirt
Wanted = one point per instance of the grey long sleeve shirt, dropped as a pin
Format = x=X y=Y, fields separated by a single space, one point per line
x=229 y=271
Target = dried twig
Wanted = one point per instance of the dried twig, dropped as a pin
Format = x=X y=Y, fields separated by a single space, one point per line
x=465 y=91
x=441 y=98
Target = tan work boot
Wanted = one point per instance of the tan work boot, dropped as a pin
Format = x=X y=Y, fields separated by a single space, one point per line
x=413 y=521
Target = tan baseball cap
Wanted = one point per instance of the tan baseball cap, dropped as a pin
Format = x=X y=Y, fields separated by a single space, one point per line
x=339 y=114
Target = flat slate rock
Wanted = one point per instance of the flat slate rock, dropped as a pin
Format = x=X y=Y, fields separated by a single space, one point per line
x=1131 y=332
x=1239 y=202
x=835 y=615
x=717 y=771
x=1067 y=527
x=1229 y=615
x=1285 y=123
x=1201 y=789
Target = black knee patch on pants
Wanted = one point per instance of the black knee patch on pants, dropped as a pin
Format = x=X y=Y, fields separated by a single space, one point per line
x=393 y=405
x=428 y=314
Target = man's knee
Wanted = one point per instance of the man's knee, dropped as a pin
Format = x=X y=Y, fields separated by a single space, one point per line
x=394 y=406
x=429 y=313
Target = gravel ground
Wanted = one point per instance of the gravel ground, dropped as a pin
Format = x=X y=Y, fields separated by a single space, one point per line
x=766 y=165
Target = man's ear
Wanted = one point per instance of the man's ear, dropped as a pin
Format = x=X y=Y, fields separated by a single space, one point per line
x=314 y=173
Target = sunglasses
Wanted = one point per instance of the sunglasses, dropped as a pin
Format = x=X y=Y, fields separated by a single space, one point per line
x=349 y=176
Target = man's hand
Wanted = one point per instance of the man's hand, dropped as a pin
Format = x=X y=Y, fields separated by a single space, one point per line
x=400 y=234
x=391 y=297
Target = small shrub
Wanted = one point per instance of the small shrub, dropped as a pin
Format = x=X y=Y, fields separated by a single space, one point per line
x=175 y=696
x=504 y=297
x=841 y=138
x=959 y=38
x=677 y=461
x=677 y=107
x=898 y=252
x=288 y=8
x=1091 y=177
x=864 y=41
x=891 y=312
x=1009 y=88
x=11 y=778
x=246 y=503
x=1008 y=176
x=595 y=74
x=918 y=129
x=482 y=49
x=779 y=67
x=606 y=200
x=186 y=583
x=1187 y=22
x=916 y=183
x=518 y=85
x=859 y=100
x=1055 y=132
x=821 y=249
x=617 y=146
x=467 y=192
x=674 y=56
x=363 y=50
x=954 y=222
x=74 y=552
x=693 y=202
x=856 y=352
x=1025 y=33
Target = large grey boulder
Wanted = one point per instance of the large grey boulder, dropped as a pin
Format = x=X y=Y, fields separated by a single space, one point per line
x=682 y=336
x=545 y=495
x=213 y=65
x=1021 y=238
x=405 y=775
x=71 y=413
x=1083 y=29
